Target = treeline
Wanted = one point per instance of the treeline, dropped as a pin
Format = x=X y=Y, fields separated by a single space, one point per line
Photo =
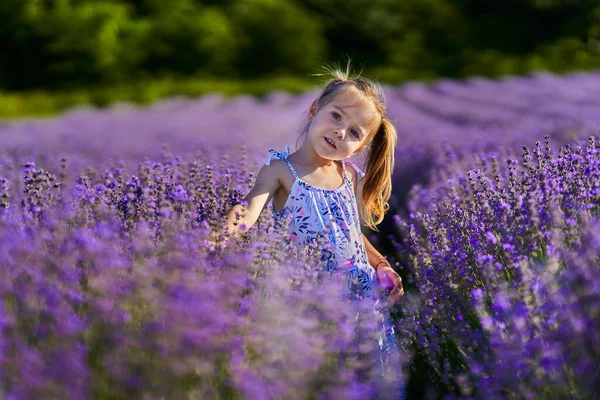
x=64 y=44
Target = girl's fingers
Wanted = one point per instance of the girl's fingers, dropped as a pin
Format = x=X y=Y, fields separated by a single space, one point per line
x=396 y=293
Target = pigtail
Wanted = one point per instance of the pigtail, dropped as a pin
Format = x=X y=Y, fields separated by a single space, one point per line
x=377 y=183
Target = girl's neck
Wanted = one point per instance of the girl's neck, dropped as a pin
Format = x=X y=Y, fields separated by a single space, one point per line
x=305 y=155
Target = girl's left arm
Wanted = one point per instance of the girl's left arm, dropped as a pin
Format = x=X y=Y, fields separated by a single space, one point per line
x=386 y=275
x=375 y=257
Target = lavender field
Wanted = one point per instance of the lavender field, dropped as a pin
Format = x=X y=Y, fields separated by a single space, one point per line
x=108 y=290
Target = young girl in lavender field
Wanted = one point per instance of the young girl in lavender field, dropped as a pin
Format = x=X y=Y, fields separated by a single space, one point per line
x=316 y=189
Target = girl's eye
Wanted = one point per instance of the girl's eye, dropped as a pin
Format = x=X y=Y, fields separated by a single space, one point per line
x=355 y=133
x=336 y=115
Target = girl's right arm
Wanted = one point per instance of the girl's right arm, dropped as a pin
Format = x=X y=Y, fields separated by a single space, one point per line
x=267 y=183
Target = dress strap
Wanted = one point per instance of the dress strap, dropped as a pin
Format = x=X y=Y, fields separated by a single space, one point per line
x=360 y=173
x=281 y=155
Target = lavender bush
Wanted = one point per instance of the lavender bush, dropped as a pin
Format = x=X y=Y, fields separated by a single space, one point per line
x=108 y=290
x=506 y=262
x=471 y=116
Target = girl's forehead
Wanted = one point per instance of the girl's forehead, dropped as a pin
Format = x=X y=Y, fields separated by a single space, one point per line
x=358 y=106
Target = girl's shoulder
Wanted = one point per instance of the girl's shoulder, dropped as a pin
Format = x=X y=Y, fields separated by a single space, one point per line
x=276 y=165
x=270 y=177
x=356 y=174
x=355 y=169
x=278 y=155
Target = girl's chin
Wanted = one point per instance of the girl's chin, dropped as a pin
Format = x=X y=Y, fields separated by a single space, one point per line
x=328 y=152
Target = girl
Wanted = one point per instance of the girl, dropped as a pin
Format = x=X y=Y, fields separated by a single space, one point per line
x=316 y=190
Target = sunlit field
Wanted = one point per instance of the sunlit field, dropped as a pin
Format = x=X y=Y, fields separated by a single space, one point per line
x=108 y=290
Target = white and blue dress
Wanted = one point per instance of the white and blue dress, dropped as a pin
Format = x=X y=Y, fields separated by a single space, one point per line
x=310 y=211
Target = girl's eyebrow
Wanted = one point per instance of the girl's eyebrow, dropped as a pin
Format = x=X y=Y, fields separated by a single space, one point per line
x=342 y=111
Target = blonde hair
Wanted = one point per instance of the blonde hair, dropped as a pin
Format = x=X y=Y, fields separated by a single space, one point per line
x=380 y=143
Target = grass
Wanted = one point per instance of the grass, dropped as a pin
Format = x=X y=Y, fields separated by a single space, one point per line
x=45 y=103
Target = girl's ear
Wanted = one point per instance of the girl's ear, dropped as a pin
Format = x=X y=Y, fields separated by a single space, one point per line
x=313 y=110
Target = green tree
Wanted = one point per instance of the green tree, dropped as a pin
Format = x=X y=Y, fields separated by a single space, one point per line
x=409 y=39
x=64 y=42
x=188 y=38
x=74 y=43
x=276 y=37
x=518 y=36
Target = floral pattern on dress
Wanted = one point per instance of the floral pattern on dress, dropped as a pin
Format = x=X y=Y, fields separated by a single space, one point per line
x=310 y=211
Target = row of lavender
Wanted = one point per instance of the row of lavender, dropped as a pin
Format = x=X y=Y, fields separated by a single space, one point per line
x=505 y=251
x=110 y=283
x=107 y=292
x=102 y=273
x=472 y=115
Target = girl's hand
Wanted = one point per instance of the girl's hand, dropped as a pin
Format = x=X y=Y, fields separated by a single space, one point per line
x=389 y=279
x=212 y=243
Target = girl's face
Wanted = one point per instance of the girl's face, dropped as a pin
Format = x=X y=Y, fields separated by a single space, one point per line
x=343 y=127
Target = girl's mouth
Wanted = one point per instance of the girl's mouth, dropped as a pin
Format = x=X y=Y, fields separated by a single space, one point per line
x=330 y=143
